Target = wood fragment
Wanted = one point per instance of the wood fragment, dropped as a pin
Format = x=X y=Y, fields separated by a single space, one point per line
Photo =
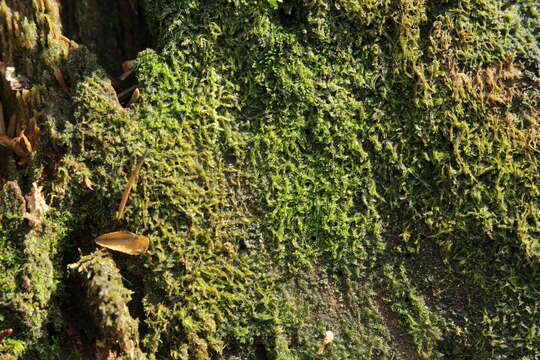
x=134 y=97
x=115 y=97
x=47 y=6
x=130 y=184
x=15 y=25
x=14 y=145
x=32 y=131
x=27 y=143
x=65 y=39
x=88 y=183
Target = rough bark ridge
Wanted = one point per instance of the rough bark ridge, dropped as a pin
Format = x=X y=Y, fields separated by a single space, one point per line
x=51 y=312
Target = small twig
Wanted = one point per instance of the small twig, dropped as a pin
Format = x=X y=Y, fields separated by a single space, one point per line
x=65 y=39
x=115 y=97
x=127 y=91
x=68 y=41
x=60 y=78
x=130 y=184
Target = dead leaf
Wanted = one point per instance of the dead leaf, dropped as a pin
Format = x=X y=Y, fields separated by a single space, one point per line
x=36 y=206
x=124 y=241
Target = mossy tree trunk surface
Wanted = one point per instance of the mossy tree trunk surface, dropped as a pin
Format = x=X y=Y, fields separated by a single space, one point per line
x=369 y=168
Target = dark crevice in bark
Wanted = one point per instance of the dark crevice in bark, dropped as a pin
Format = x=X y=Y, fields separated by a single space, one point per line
x=114 y=30
x=261 y=353
x=77 y=322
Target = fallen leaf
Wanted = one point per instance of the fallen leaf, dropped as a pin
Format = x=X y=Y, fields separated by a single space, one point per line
x=36 y=206
x=124 y=241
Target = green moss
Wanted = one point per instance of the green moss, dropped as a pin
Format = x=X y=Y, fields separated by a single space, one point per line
x=345 y=163
x=32 y=270
x=105 y=298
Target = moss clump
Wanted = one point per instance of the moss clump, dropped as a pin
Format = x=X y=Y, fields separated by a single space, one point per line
x=358 y=153
x=32 y=270
x=106 y=299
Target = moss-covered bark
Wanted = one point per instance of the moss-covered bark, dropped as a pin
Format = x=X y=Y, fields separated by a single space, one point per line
x=364 y=167
x=106 y=299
